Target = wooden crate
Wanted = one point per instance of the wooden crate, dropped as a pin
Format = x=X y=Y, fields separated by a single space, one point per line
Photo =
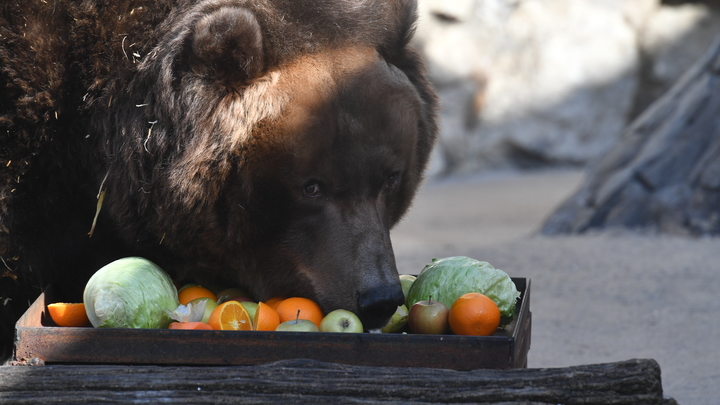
x=36 y=337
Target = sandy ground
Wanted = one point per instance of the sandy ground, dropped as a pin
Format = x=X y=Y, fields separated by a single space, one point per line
x=595 y=298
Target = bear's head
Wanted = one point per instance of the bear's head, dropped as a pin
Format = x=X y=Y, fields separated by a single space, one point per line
x=274 y=145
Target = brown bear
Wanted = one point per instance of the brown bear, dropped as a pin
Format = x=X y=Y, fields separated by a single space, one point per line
x=269 y=144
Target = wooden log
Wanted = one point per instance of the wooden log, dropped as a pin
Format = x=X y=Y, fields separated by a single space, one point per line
x=663 y=174
x=311 y=382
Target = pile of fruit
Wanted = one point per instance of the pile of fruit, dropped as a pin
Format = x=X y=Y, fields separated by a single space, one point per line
x=457 y=294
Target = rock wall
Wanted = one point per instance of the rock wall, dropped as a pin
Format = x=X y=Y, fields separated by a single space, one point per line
x=663 y=173
x=534 y=83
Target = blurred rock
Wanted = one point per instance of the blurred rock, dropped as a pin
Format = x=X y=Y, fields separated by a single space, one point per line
x=528 y=83
x=670 y=41
x=662 y=174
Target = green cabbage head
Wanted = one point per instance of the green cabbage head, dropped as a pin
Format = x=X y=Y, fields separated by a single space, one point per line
x=130 y=293
x=449 y=278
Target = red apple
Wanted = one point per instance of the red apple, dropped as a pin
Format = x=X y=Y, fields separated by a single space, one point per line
x=428 y=317
x=239 y=299
x=228 y=293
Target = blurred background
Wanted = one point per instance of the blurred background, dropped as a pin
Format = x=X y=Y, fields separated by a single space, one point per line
x=546 y=83
x=534 y=93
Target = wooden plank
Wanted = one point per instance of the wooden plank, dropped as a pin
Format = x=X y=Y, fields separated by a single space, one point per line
x=506 y=349
x=311 y=382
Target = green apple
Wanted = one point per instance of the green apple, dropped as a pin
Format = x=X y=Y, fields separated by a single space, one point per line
x=341 y=320
x=429 y=317
x=210 y=305
x=406 y=281
x=251 y=307
x=297 y=325
x=228 y=293
x=398 y=320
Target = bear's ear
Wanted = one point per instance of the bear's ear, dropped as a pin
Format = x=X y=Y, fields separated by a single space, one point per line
x=226 y=45
x=401 y=30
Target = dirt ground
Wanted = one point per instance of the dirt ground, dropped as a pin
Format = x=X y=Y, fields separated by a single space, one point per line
x=596 y=298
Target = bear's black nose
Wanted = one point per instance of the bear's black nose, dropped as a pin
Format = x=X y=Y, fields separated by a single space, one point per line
x=378 y=304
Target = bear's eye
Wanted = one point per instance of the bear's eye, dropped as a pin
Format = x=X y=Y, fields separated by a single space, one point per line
x=312 y=190
x=392 y=181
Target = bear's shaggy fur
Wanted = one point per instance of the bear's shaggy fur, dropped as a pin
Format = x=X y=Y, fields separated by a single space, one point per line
x=270 y=144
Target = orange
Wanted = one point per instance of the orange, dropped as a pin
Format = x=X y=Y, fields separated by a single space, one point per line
x=65 y=314
x=288 y=310
x=474 y=314
x=188 y=294
x=266 y=318
x=230 y=315
x=275 y=301
x=189 y=325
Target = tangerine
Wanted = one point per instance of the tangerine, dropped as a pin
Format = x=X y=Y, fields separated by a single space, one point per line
x=474 y=314
x=266 y=318
x=275 y=301
x=68 y=314
x=230 y=315
x=188 y=294
x=288 y=310
x=189 y=325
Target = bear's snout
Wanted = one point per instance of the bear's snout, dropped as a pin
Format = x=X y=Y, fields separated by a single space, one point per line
x=378 y=304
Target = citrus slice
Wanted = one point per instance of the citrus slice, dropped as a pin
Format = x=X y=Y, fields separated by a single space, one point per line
x=230 y=315
x=266 y=318
x=189 y=325
x=66 y=314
